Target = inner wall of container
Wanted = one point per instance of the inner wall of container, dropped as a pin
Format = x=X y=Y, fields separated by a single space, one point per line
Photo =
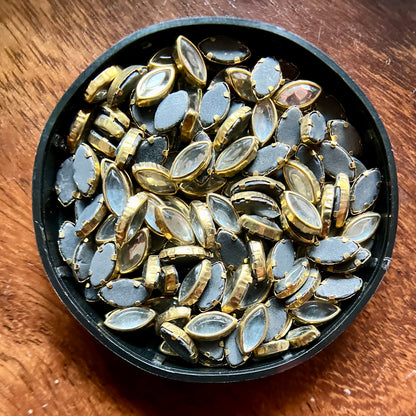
x=261 y=43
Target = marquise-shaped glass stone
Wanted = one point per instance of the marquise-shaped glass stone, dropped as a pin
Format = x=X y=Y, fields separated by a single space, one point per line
x=214 y=106
x=117 y=190
x=279 y=319
x=346 y=136
x=310 y=159
x=306 y=291
x=264 y=120
x=288 y=129
x=154 y=86
x=129 y=319
x=232 y=250
x=191 y=161
x=293 y=280
x=210 y=326
x=271 y=349
x=223 y=212
x=302 y=336
x=361 y=227
x=171 y=111
x=268 y=159
x=106 y=232
x=364 y=191
x=214 y=290
x=224 y=50
x=236 y=156
x=154 y=178
x=280 y=259
x=86 y=170
x=301 y=213
x=194 y=283
x=153 y=149
x=266 y=77
x=174 y=225
x=67 y=241
x=336 y=160
x=83 y=256
x=124 y=293
x=333 y=250
x=162 y=58
x=176 y=203
x=255 y=203
x=240 y=80
x=300 y=179
x=103 y=264
x=233 y=354
x=252 y=328
x=299 y=93
x=202 y=224
x=257 y=292
x=315 y=312
x=65 y=186
x=190 y=62
x=134 y=251
x=313 y=128
x=336 y=288
x=235 y=287
x=180 y=342
x=261 y=227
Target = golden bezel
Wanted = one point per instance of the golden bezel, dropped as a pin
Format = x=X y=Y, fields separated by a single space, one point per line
x=306 y=321
x=149 y=168
x=195 y=189
x=226 y=202
x=206 y=223
x=351 y=221
x=117 y=115
x=89 y=226
x=180 y=252
x=221 y=334
x=171 y=283
x=258 y=265
x=275 y=120
x=166 y=349
x=101 y=81
x=102 y=144
x=77 y=129
x=133 y=206
x=166 y=230
x=153 y=270
x=308 y=176
x=128 y=146
x=303 y=238
x=198 y=287
x=292 y=287
x=303 y=338
x=327 y=205
x=289 y=85
x=262 y=230
x=271 y=348
x=249 y=312
x=302 y=298
x=143 y=325
x=110 y=126
x=146 y=233
x=342 y=182
x=229 y=79
x=292 y=217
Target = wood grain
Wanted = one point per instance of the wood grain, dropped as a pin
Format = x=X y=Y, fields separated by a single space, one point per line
x=50 y=365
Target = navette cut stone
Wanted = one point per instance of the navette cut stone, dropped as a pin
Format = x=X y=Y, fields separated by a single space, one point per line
x=129 y=319
x=298 y=93
x=266 y=77
x=210 y=326
x=124 y=293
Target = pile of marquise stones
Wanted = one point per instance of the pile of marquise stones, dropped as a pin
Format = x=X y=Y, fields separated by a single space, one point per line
x=228 y=214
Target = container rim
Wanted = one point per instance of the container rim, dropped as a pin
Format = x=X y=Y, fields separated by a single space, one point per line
x=262 y=369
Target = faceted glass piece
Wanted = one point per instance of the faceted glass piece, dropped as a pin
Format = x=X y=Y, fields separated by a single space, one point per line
x=174 y=225
x=240 y=80
x=300 y=179
x=162 y=58
x=180 y=342
x=67 y=241
x=315 y=312
x=171 y=111
x=214 y=106
x=269 y=159
x=261 y=227
x=223 y=212
x=341 y=199
x=336 y=288
x=288 y=129
x=306 y=291
x=190 y=62
x=214 y=290
x=83 y=256
x=150 y=218
x=333 y=250
x=302 y=336
x=266 y=77
x=176 y=203
x=364 y=191
x=257 y=259
x=301 y=213
x=232 y=250
x=117 y=190
x=271 y=349
x=191 y=161
x=344 y=133
x=202 y=224
x=253 y=328
x=279 y=319
x=134 y=251
x=154 y=86
x=124 y=293
x=86 y=171
x=154 y=178
x=65 y=187
x=264 y=120
x=300 y=93
x=194 y=283
x=224 y=50
x=103 y=265
x=361 y=227
x=210 y=326
x=236 y=286
x=129 y=319
x=236 y=156
x=257 y=292
x=280 y=259
x=336 y=160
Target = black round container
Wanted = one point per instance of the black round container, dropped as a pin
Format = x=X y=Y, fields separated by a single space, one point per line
x=264 y=40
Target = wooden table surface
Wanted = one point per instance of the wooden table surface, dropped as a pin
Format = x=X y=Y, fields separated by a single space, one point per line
x=49 y=365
